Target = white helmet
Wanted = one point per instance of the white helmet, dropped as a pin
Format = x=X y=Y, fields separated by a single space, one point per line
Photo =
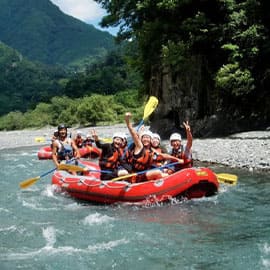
x=155 y=135
x=125 y=136
x=146 y=133
x=118 y=135
x=175 y=137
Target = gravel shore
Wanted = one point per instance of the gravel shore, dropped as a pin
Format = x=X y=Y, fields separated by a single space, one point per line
x=249 y=150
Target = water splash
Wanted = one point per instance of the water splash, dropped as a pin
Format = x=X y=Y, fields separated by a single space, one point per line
x=97 y=219
x=265 y=250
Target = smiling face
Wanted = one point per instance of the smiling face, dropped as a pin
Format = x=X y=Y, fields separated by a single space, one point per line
x=62 y=133
x=117 y=142
x=146 y=141
x=175 y=144
x=155 y=142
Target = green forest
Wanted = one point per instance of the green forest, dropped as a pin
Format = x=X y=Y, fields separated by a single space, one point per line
x=213 y=54
x=228 y=41
x=99 y=94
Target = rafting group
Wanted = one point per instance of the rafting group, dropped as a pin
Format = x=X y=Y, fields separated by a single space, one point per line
x=120 y=158
x=132 y=168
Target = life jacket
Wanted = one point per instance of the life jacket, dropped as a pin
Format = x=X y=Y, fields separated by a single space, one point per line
x=180 y=153
x=79 y=143
x=158 y=160
x=87 y=143
x=141 y=161
x=110 y=162
x=65 y=150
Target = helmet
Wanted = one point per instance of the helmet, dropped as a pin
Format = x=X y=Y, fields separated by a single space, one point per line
x=175 y=137
x=79 y=133
x=118 y=135
x=125 y=136
x=155 y=135
x=88 y=135
x=62 y=126
x=146 y=133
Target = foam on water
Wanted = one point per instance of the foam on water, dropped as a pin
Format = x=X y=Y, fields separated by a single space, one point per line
x=8 y=229
x=36 y=206
x=107 y=245
x=48 y=192
x=49 y=234
x=97 y=219
x=265 y=250
x=4 y=210
x=75 y=206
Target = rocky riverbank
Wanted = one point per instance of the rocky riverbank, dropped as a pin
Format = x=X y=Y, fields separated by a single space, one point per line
x=249 y=150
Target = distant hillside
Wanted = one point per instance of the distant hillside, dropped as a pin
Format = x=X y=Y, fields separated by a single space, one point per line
x=23 y=83
x=41 y=32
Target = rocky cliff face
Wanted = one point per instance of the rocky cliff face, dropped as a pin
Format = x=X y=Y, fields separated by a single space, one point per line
x=188 y=95
x=181 y=98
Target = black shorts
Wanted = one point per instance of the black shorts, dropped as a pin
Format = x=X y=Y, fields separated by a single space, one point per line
x=108 y=176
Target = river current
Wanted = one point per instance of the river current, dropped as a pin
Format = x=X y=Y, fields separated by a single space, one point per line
x=43 y=230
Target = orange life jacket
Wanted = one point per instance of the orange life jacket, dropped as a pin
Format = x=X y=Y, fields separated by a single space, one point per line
x=110 y=162
x=158 y=160
x=141 y=161
x=188 y=162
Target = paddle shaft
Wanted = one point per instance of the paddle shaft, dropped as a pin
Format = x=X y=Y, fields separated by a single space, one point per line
x=31 y=181
x=144 y=171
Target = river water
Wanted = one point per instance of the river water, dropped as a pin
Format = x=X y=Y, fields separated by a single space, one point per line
x=43 y=230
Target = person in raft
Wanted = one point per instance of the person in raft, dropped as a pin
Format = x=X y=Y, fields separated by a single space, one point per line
x=179 y=151
x=140 y=156
x=160 y=155
x=111 y=153
x=63 y=148
x=88 y=140
x=79 y=139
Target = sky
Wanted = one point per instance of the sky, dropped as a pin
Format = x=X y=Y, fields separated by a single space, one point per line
x=85 y=10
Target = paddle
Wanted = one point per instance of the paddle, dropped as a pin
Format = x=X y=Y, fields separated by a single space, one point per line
x=29 y=182
x=142 y=172
x=224 y=178
x=227 y=178
x=76 y=168
x=107 y=140
x=148 y=109
x=41 y=139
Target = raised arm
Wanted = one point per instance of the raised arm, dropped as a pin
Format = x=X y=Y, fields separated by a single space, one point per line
x=96 y=139
x=189 y=135
x=135 y=136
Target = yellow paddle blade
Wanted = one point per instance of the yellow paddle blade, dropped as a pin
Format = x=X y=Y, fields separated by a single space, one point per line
x=150 y=107
x=29 y=182
x=40 y=139
x=107 y=140
x=227 y=178
x=70 y=167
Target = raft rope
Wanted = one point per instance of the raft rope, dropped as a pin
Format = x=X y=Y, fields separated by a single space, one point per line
x=98 y=183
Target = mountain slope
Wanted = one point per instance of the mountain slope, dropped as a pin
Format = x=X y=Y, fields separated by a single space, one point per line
x=23 y=84
x=41 y=32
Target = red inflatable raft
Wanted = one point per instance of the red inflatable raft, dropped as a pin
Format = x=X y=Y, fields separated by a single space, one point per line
x=45 y=152
x=188 y=183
